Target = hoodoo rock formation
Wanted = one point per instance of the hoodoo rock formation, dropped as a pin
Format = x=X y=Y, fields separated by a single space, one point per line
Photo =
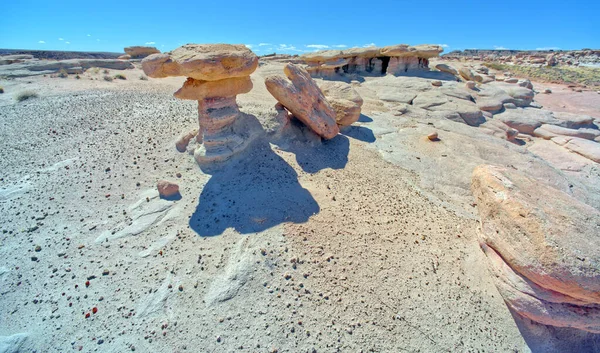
x=140 y=52
x=303 y=98
x=216 y=73
x=395 y=59
x=543 y=248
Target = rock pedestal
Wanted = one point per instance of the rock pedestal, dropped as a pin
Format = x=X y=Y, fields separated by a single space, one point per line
x=217 y=73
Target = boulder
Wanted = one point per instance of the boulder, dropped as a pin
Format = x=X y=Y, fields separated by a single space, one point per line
x=205 y=62
x=469 y=75
x=167 y=189
x=303 y=98
x=447 y=68
x=139 y=52
x=345 y=101
x=184 y=140
x=543 y=246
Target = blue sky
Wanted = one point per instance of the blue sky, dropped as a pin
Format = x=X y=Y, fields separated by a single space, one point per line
x=297 y=27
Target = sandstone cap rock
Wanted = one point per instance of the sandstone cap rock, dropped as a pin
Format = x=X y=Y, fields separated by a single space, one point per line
x=140 y=51
x=423 y=51
x=206 y=62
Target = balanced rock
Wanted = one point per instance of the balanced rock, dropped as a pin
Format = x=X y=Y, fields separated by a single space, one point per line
x=303 y=98
x=138 y=52
x=345 y=101
x=543 y=246
x=217 y=73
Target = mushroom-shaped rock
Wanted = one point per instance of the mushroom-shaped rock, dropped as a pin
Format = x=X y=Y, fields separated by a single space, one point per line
x=543 y=245
x=138 y=52
x=217 y=73
x=345 y=101
x=303 y=98
x=206 y=62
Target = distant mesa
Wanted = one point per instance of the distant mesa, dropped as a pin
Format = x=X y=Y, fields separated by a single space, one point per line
x=138 y=52
x=371 y=61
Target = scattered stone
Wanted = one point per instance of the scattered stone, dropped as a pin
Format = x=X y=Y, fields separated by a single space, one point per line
x=436 y=83
x=547 y=91
x=433 y=136
x=511 y=80
x=471 y=84
x=184 y=140
x=167 y=189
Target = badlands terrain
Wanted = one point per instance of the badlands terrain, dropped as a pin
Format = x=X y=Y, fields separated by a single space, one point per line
x=457 y=209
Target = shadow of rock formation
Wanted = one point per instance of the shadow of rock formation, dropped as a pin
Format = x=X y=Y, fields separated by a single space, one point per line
x=360 y=133
x=547 y=339
x=312 y=153
x=252 y=194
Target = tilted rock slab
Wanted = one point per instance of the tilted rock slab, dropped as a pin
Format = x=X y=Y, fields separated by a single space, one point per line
x=303 y=98
x=543 y=246
x=345 y=101
x=217 y=73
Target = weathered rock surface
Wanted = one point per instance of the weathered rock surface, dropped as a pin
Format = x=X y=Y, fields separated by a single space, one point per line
x=167 y=188
x=395 y=59
x=543 y=246
x=217 y=74
x=588 y=149
x=527 y=120
x=450 y=102
x=547 y=131
x=447 y=68
x=206 y=62
x=303 y=98
x=345 y=101
x=138 y=52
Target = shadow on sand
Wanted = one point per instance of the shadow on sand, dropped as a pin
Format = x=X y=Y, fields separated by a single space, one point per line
x=251 y=195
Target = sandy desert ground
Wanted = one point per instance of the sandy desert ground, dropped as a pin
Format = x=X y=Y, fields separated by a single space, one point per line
x=364 y=243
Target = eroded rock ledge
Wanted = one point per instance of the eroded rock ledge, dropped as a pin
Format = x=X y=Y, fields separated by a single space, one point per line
x=543 y=248
x=394 y=59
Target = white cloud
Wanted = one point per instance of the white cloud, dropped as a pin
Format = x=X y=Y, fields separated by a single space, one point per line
x=97 y=40
x=340 y=46
x=317 y=46
x=444 y=45
x=150 y=43
x=500 y=47
x=548 y=48
x=249 y=46
x=60 y=39
x=263 y=44
x=369 y=45
x=67 y=42
x=42 y=42
x=89 y=35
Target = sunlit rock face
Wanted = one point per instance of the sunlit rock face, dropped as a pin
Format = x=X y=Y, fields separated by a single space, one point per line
x=371 y=61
